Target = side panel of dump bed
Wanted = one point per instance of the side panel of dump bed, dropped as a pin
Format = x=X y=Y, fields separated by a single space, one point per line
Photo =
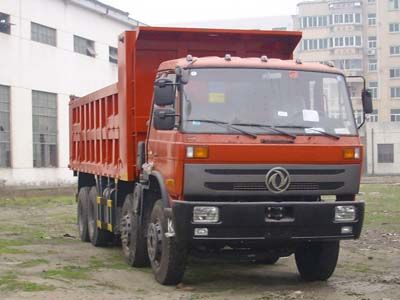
x=107 y=125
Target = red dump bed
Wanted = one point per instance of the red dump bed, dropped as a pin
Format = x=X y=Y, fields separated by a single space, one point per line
x=106 y=126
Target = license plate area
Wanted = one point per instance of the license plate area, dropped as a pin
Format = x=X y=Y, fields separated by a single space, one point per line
x=279 y=214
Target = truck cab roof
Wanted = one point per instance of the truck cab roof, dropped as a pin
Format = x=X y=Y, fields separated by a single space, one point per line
x=248 y=62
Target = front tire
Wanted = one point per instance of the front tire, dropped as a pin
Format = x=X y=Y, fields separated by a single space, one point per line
x=133 y=240
x=98 y=237
x=316 y=261
x=167 y=256
x=82 y=213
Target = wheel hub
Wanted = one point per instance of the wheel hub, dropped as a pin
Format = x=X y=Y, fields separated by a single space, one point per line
x=154 y=242
x=126 y=232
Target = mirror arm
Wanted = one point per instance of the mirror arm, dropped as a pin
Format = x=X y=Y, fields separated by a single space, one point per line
x=363 y=79
x=363 y=121
x=364 y=89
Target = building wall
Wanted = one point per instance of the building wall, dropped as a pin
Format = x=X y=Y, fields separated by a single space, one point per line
x=378 y=134
x=26 y=65
x=384 y=129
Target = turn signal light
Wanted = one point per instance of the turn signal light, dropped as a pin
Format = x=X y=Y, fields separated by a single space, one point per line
x=352 y=153
x=197 y=152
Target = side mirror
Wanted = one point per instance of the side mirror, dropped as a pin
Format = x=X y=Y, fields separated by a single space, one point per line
x=164 y=92
x=164 y=118
x=366 y=98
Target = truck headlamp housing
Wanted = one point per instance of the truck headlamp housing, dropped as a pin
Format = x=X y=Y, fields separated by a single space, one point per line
x=196 y=152
x=352 y=153
x=205 y=214
x=345 y=213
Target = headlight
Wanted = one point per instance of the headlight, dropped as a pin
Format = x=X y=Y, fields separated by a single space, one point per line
x=205 y=214
x=352 y=153
x=345 y=213
x=197 y=152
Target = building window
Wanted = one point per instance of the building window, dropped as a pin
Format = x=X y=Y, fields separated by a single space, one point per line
x=349 y=64
x=347 y=41
x=372 y=42
x=372 y=65
x=5 y=149
x=373 y=88
x=385 y=153
x=358 y=116
x=44 y=122
x=43 y=34
x=395 y=115
x=316 y=44
x=314 y=21
x=373 y=118
x=394 y=27
x=371 y=19
x=395 y=50
x=347 y=18
x=395 y=73
x=394 y=4
x=5 y=25
x=84 y=46
x=113 y=54
x=395 y=92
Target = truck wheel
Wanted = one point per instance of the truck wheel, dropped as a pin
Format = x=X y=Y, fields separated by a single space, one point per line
x=316 y=261
x=98 y=237
x=82 y=213
x=132 y=235
x=167 y=256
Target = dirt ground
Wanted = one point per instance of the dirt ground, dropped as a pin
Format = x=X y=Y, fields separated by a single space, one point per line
x=41 y=258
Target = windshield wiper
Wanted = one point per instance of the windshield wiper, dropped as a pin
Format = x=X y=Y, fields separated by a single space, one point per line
x=332 y=135
x=273 y=128
x=225 y=125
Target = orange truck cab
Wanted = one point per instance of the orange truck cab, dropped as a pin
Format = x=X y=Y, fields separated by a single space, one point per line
x=218 y=142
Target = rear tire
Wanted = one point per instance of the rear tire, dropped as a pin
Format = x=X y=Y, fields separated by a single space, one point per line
x=167 y=256
x=82 y=213
x=133 y=239
x=316 y=261
x=98 y=237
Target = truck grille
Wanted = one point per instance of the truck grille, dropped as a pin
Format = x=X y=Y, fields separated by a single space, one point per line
x=260 y=186
x=236 y=182
x=265 y=171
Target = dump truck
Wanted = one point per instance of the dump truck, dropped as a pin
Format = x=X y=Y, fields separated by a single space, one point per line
x=218 y=142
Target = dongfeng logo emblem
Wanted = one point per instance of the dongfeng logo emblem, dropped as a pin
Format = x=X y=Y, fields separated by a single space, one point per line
x=277 y=180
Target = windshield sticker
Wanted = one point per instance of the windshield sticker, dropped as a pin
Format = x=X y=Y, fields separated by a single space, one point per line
x=216 y=92
x=314 y=130
x=282 y=113
x=268 y=76
x=193 y=73
x=310 y=115
x=216 y=97
x=342 y=131
x=196 y=123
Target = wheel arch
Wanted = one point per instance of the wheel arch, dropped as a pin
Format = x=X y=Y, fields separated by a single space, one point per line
x=157 y=186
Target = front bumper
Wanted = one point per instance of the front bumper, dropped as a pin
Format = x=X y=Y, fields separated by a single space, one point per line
x=248 y=222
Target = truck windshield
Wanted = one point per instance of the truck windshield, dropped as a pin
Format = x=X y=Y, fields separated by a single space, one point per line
x=297 y=102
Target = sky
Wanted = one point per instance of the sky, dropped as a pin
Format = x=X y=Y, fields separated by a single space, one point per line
x=164 y=12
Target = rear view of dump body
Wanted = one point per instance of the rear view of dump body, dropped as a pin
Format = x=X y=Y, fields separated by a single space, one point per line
x=107 y=125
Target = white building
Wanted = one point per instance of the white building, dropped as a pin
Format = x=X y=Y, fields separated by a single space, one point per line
x=363 y=38
x=262 y=23
x=49 y=50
